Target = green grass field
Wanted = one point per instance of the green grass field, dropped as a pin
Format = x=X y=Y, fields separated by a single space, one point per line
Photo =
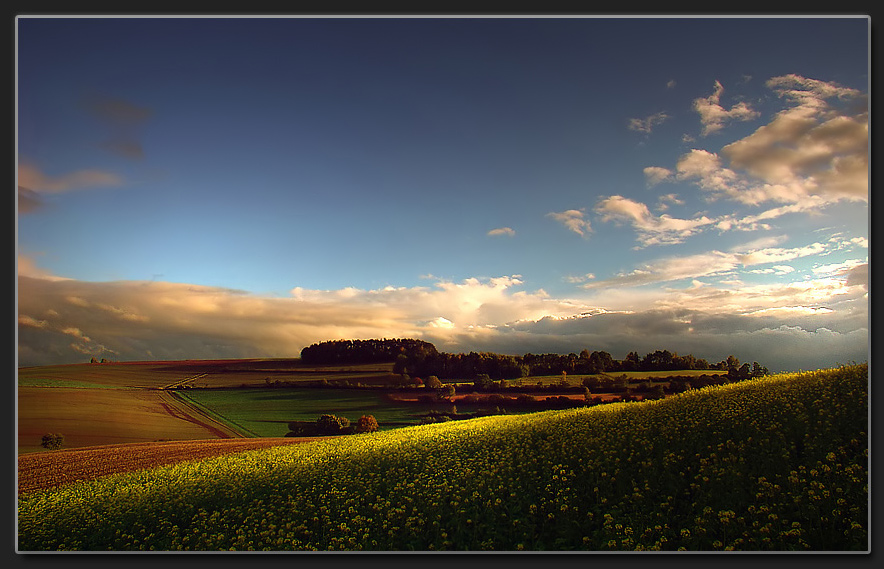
x=266 y=412
x=772 y=464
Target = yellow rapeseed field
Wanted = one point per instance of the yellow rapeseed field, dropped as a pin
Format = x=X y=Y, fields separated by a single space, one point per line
x=776 y=463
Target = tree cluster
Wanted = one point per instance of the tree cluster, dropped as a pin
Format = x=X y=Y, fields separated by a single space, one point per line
x=479 y=365
x=329 y=424
x=421 y=359
x=364 y=351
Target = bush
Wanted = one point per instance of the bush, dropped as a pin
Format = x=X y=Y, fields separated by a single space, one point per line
x=433 y=382
x=53 y=441
x=332 y=425
x=366 y=424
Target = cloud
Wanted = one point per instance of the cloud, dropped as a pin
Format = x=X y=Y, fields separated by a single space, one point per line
x=123 y=119
x=647 y=124
x=116 y=111
x=813 y=148
x=811 y=154
x=28 y=201
x=713 y=116
x=33 y=184
x=707 y=264
x=652 y=230
x=133 y=319
x=656 y=175
x=809 y=324
x=31 y=178
x=574 y=220
x=664 y=200
x=509 y=232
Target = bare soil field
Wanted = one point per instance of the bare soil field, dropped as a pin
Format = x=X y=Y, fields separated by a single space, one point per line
x=200 y=373
x=39 y=471
x=90 y=417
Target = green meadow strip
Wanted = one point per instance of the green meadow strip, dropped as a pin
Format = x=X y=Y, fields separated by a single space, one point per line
x=187 y=400
x=772 y=464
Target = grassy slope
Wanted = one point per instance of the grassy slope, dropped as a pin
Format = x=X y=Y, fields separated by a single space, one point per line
x=770 y=464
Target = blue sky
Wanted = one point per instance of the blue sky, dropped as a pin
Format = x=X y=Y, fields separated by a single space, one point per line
x=195 y=187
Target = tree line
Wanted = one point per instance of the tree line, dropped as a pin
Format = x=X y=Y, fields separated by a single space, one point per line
x=363 y=351
x=419 y=358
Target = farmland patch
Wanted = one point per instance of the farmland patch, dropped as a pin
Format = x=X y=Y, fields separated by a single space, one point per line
x=89 y=417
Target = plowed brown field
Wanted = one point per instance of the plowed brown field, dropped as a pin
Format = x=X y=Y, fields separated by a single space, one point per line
x=43 y=470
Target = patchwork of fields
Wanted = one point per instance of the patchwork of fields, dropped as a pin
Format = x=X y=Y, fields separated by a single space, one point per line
x=112 y=403
x=772 y=464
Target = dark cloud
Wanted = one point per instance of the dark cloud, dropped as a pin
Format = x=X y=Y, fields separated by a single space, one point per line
x=123 y=119
x=116 y=111
x=28 y=200
x=859 y=276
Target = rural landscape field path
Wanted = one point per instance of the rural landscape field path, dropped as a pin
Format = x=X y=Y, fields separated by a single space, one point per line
x=38 y=471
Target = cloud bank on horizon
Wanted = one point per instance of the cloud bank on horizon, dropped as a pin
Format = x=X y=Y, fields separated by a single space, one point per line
x=730 y=218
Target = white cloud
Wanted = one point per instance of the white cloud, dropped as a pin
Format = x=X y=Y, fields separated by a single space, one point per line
x=64 y=320
x=811 y=154
x=711 y=263
x=656 y=175
x=713 y=116
x=509 y=232
x=647 y=124
x=574 y=220
x=664 y=200
x=652 y=230
x=814 y=146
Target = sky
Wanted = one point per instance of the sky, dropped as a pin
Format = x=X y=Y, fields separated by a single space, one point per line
x=193 y=187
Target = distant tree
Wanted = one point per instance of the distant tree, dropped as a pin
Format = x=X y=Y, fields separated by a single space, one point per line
x=632 y=362
x=366 y=424
x=601 y=362
x=432 y=382
x=94 y=360
x=758 y=370
x=331 y=425
x=52 y=441
x=447 y=392
x=483 y=382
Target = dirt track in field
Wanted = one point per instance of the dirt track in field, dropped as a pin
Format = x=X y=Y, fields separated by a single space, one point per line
x=42 y=470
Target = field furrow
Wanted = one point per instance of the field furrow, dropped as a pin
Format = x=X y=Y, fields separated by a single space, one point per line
x=40 y=471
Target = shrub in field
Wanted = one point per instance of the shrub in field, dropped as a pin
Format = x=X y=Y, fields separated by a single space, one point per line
x=366 y=424
x=52 y=441
x=332 y=425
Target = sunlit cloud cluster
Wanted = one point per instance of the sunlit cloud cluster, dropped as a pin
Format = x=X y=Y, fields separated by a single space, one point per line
x=813 y=153
x=574 y=219
x=61 y=320
x=714 y=117
x=651 y=229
